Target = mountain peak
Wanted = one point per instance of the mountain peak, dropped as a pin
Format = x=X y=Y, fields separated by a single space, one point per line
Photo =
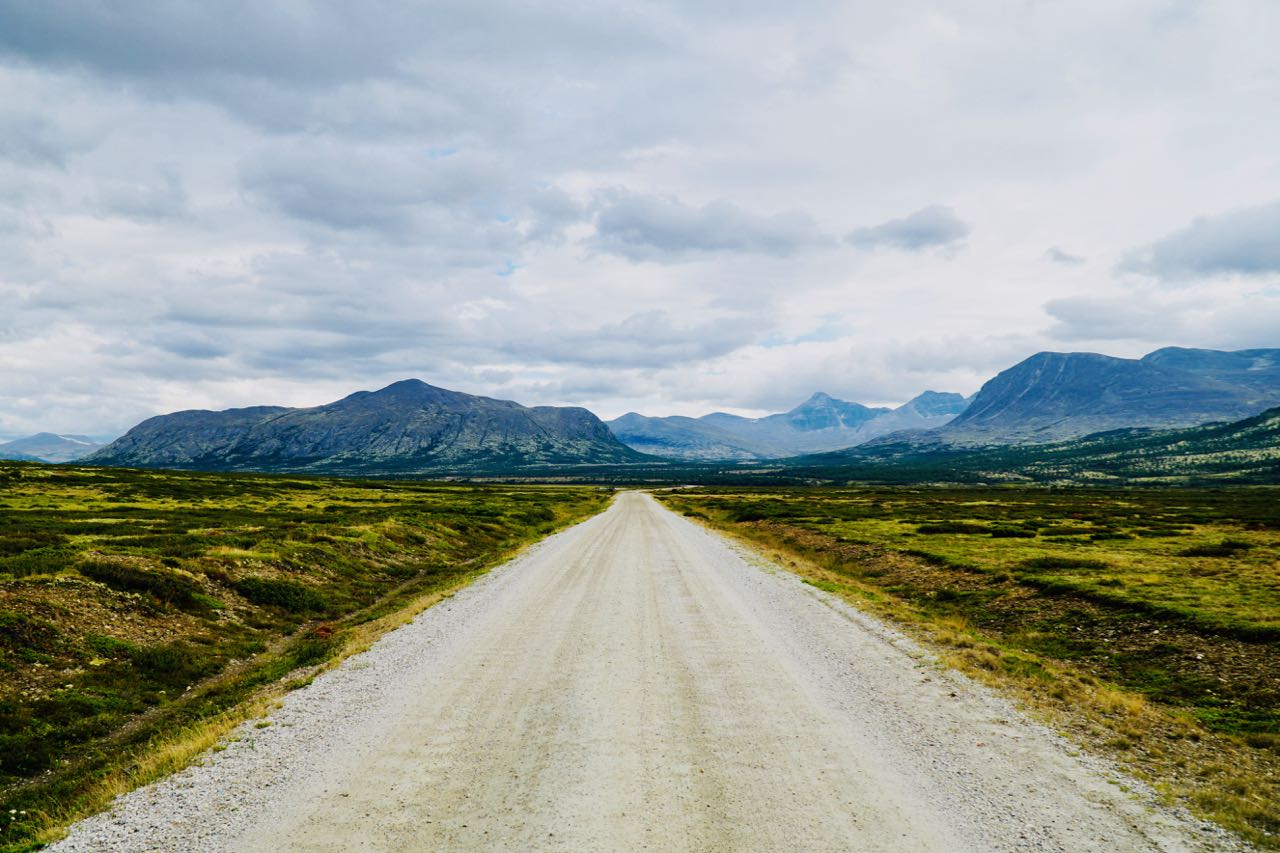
x=408 y=427
x=936 y=403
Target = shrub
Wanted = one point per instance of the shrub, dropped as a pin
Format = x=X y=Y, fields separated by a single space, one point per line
x=1063 y=563
x=38 y=561
x=168 y=587
x=1225 y=548
x=171 y=663
x=28 y=541
x=286 y=594
x=19 y=631
x=1012 y=533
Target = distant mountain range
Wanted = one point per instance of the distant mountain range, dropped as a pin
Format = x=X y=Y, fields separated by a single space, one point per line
x=410 y=428
x=48 y=447
x=1241 y=452
x=1046 y=398
x=820 y=423
x=407 y=428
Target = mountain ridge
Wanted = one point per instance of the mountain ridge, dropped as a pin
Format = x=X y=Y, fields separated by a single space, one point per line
x=821 y=422
x=406 y=428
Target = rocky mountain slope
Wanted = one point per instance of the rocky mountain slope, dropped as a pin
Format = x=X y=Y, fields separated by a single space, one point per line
x=48 y=447
x=407 y=428
x=1052 y=396
x=820 y=423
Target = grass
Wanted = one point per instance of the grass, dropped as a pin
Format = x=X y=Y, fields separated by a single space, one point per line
x=1144 y=623
x=143 y=615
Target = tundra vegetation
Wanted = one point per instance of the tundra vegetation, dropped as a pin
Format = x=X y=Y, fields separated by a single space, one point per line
x=144 y=614
x=1143 y=623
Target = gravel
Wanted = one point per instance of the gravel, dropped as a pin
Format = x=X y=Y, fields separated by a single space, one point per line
x=638 y=682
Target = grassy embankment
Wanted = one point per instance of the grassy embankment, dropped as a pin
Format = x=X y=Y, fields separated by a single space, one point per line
x=1146 y=624
x=145 y=614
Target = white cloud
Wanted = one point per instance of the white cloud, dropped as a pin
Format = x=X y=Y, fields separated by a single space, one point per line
x=623 y=205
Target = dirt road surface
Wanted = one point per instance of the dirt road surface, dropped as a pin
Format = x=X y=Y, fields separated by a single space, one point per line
x=638 y=683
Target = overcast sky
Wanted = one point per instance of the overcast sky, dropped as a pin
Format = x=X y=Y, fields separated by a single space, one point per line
x=668 y=207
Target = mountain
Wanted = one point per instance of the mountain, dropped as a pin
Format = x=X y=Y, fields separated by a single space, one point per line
x=48 y=447
x=1052 y=396
x=687 y=438
x=1258 y=369
x=407 y=428
x=820 y=423
x=1241 y=452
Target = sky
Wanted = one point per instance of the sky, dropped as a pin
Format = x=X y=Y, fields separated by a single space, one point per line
x=667 y=207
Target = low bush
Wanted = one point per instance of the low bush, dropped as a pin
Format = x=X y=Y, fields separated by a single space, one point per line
x=165 y=586
x=1063 y=563
x=286 y=594
x=1225 y=548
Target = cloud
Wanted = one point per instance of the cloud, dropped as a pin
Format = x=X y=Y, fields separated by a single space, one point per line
x=235 y=203
x=1227 y=317
x=665 y=229
x=149 y=201
x=468 y=205
x=1240 y=242
x=1061 y=256
x=1111 y=318
x=35 y=140
x=932 y=227
x=645 y=340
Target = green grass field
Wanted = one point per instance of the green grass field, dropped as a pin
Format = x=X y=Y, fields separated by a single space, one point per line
x=136 y=604
x=1166 y=601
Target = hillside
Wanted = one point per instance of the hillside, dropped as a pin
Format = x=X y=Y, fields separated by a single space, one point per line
x=407 y=428
x=1052 y=396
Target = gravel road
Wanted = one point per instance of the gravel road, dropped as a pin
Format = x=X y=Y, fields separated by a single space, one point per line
x=637 y=682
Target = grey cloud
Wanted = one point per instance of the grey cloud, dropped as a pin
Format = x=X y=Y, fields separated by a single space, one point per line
x=1240 y=242
x=664 y=229
x=468 y=205
x=35 y=140
x=1089 y=318
x=132 y=38
x=553 y=211
x=932 y=227
x=1159 y=318
x=648 y=339
x=149 y=201
x=309 y=41
x=1061 y=256
x=313 y=65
